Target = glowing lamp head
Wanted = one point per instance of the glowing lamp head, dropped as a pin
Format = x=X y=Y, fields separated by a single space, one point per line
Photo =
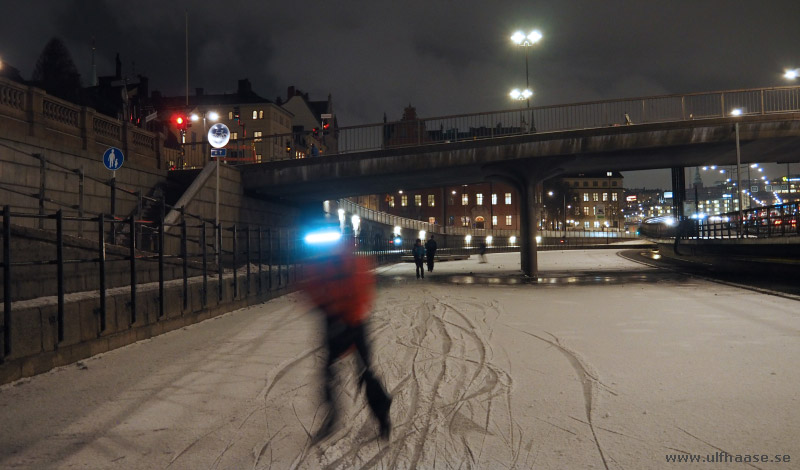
x=736 y=112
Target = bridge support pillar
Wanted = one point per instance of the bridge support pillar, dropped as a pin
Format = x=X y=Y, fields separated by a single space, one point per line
x=530 y=202
x=678 y=191
x=527 y=180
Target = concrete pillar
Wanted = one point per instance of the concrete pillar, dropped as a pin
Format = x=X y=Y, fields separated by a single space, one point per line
x=529 y=221
x=35 y=111
x=527 y=180
x=88 y=136
x=678 y=191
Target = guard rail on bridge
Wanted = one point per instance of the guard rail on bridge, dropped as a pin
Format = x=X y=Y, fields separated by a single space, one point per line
x=779 y=220
x=489 y=125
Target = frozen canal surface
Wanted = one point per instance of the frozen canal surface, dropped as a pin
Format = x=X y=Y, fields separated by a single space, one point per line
x=603 y=363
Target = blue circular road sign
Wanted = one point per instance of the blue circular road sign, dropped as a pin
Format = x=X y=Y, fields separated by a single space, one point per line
x=113 y=158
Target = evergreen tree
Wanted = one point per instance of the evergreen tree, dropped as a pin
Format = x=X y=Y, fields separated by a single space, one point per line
x=56 y=73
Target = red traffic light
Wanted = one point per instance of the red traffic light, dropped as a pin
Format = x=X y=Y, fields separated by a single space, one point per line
x=179 y=120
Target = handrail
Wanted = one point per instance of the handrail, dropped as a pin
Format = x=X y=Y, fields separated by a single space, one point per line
x=521 y=121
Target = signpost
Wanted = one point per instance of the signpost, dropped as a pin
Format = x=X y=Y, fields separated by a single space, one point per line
x=113 y=159
x=218 y=137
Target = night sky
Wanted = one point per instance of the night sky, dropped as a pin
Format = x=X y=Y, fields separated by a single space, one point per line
x=443 y=57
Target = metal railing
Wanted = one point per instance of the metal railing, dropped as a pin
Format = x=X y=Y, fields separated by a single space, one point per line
x=514 y=122
x=779 y=220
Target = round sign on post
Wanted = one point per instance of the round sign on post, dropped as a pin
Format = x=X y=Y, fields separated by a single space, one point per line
x=219 y=135
x=113 y=158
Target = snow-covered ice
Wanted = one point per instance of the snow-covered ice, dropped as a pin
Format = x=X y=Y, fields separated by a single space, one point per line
x=601 y=363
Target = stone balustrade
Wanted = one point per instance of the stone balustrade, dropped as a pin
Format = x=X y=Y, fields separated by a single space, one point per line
x=29 y=114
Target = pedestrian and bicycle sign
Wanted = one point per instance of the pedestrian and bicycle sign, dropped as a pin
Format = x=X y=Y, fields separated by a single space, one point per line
x=113 y=158
x=217 y=153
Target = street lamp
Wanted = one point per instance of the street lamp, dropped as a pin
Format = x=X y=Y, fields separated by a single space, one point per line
x=517 y=94
x=526 y=41
x=791 y=74
x=738 y=112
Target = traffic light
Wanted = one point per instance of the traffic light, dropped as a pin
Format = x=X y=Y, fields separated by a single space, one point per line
x=236 y=113
x=288 y=147
x=181 y=122
x=325 y=127
x=315 y=132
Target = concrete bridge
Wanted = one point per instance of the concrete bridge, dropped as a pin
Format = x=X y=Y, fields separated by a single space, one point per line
x=672 y=131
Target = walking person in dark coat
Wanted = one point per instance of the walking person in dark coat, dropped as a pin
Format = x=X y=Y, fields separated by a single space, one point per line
x=430 y=252
x=419 y=258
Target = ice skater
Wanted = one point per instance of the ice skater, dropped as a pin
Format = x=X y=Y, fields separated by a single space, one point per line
x=419 y=258
x=342 y=285
x=430 y=252
x=482 y=252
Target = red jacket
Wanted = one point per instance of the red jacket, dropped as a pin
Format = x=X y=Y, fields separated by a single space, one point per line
x=342 y=285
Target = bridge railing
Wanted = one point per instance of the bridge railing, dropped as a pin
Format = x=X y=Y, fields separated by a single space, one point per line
x=779 y=220
x=519 y=121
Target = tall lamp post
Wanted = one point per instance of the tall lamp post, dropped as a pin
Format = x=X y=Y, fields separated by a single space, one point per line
x=526 y=41
x=738 y=112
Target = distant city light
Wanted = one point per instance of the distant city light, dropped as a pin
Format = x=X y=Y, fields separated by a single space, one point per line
x=736 y=112
x=791 y=74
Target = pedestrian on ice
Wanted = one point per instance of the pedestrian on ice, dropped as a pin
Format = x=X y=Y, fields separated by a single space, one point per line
x=482 y=251
x=419 y=258
x=341 y=285
x=430 y=252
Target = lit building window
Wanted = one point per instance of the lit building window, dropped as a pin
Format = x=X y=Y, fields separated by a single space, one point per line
x=479 y=199
x=261 y=114
x=257 y=136
x=614 y=196
x=585 y=210
x=255 y=114
x=605 y=197
x=586 y=225
x=234 y=135
x=494 y=220
x=464 y=199
x=431 y=200
x=432 y=220
x=404 y=200
x=595 y=197
x=585 y=197
x=596 y=224
x=258 y=158
x=508 y=198
x=464 y=221
x=494 y=199
x=391 y=201
x=508 y=220
x=418 y=200
x=230 y=115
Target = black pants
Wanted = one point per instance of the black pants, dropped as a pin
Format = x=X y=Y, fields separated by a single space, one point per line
x=339 y=338
x=420 y=267
x=430 y=261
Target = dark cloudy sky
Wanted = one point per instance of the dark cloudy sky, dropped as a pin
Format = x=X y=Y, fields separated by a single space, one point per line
x=444 y=57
